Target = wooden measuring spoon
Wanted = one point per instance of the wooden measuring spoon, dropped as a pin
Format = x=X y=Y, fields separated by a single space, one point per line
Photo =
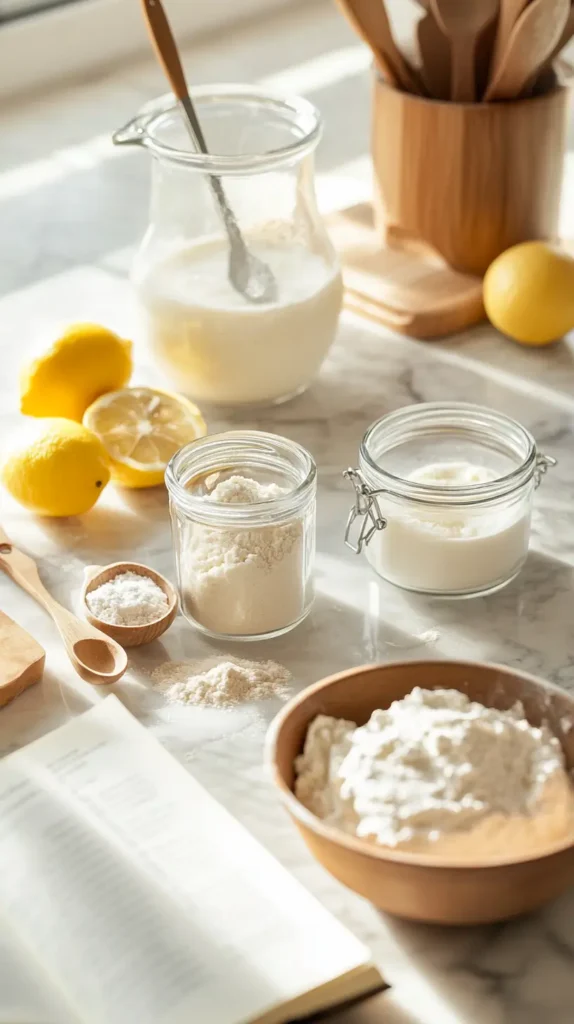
x=95 y=657
x=463 y=24
x=371 y=22
x=531 y=42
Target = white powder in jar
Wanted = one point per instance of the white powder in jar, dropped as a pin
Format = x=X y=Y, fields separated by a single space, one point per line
x=244 y=581
x=220 y=682
x=440 y=774
x=450 y=550
x=128 y=599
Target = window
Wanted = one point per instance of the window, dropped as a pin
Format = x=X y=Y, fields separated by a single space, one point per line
x=42 y=41
x=10 y=9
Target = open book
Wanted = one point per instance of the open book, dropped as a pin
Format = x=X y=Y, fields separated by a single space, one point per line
x=128 y=895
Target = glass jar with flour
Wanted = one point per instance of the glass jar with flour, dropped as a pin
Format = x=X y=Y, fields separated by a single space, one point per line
x=443 y=498
x=243 y=520
x=214 y=343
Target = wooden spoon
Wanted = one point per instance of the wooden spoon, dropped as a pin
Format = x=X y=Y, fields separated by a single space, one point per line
x=95 y=657
x=510 y=11
x=370 y=21
x=531 y=42
x=567 y=33
x=463 y=23
x=435 y=58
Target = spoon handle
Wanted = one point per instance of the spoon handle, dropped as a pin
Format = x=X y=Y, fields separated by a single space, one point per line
x=165 y=46
x=242 y=262
x=462 y=69
x=24 y=571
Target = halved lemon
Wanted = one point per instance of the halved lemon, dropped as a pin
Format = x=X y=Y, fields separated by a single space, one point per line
x=141 y=428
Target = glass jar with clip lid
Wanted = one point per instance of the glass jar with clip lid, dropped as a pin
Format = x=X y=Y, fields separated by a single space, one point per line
x=443 y=498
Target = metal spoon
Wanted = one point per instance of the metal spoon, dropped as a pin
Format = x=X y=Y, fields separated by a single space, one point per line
x=249 y=275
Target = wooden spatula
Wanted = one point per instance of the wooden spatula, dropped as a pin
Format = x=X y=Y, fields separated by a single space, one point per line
x=531 y=42
x=463 y=22
x=21 y=660
x=370 y=20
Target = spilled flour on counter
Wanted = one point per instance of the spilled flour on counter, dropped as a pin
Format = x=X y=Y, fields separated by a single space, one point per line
x=220 y=682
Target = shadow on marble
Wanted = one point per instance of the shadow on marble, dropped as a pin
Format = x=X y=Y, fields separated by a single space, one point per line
x=379 y=1009
x=527 y=625
x=105 y=530
x=149 y=503
x=496 y=974
x=43 y=707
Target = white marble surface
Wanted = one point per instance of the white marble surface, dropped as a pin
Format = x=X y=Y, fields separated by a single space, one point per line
x=519 y=973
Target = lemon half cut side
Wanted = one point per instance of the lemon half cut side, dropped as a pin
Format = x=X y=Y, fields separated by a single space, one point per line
x=141 y=429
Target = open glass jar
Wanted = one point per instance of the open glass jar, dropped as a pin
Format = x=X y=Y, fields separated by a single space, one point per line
x=215 y=344
x=443 y=498
x=243 y=521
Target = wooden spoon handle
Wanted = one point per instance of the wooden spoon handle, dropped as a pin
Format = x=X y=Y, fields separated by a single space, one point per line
x=24 y=571
x=165 y=46
x=462 y=70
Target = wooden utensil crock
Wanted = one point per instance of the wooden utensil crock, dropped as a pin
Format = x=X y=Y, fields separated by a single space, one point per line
x=467 y=181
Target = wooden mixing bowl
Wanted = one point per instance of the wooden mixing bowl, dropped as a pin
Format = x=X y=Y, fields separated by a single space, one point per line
x=416 y=886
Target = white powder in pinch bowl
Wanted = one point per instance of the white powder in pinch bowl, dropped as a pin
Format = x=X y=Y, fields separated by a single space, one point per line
x=128 y=599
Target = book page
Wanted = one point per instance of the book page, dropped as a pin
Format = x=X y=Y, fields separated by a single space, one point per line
x=26 y=997
x=141 y=894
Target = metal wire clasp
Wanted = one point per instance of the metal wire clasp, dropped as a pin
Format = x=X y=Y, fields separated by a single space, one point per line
x=543 y=464
x=367 y=508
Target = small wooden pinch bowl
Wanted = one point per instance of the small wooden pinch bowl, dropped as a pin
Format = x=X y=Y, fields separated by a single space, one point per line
x=412 y=885
x=130 y=636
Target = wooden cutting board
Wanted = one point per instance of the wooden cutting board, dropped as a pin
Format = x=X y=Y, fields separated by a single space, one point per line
x=21 y=660
x=406 y=290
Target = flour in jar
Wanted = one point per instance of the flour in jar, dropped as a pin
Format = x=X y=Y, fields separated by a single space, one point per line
x=437 y=773
x=219 y=347
x=445 y=548
x=245 y=581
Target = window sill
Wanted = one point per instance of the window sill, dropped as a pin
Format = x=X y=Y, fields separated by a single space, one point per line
x=81 y=38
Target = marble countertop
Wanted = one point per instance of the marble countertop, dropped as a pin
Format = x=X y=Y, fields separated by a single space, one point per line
x=71 y=210
x=472 y=976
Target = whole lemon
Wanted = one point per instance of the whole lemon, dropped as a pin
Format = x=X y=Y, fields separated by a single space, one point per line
x=529 y=293
x=85 y=362
x=56 y=467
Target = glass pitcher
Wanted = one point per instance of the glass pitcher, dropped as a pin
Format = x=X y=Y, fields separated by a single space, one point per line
x=213 y=342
